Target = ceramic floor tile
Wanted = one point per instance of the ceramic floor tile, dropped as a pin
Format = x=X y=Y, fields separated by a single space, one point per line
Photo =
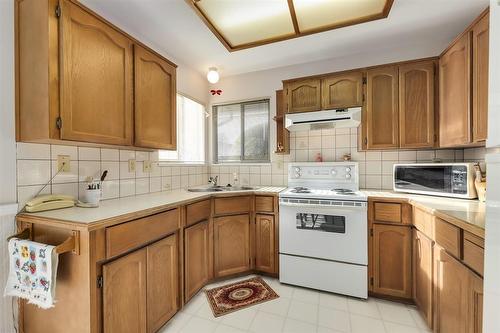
x=333 y=301
x=334 y=319
x=197 y=325
x=176 y=323
x=227 y=329
x=284 y=290
x=306 y=295
x=417 y=317
x=277 y=306
x=303 y=311
x=297 y=326
x=267 y=323
x=394 y=312
x=366 y=308
x=194 y=304
x=391 y=327
x=205 y=312
x=241 y=319
x=362 y=324
x=327 y=330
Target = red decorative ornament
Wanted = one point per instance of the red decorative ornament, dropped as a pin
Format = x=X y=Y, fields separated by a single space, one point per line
x=216 y=92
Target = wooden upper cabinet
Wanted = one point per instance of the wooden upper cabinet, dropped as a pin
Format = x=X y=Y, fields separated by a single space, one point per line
x=162 y=282
x=96 y=79
x=155 y=101
x=124 y=294
x=480 y=58
x=304 y=95
x=451 y=290
x=392 y=260
x=264 y=243
x=422 y=274
x=416 y=105
x=342 y=91
x=197 y=258
x=231 y=245
x=454 y=94
x=382 y=116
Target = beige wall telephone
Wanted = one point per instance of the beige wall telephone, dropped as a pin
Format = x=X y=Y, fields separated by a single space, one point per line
x=49 y=202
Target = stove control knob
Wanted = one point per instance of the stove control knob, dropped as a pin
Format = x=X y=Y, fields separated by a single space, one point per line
x=348 y=169
x=297 y=170
x=333 y=172
x=348 y=176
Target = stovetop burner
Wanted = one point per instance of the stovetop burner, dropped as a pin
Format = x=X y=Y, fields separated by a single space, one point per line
x=343 y=191
x=301 y=190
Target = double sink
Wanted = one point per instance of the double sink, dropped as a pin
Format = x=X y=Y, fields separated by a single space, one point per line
x=221 y=188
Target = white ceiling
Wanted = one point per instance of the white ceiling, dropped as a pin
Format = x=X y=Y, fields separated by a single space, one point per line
x=172 y=27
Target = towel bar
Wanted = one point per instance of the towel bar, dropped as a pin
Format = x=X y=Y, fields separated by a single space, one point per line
x=71 y=244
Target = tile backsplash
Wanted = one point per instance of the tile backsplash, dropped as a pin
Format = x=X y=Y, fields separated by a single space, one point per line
x=37 y=164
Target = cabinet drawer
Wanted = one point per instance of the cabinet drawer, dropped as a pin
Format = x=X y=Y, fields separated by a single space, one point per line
x=447 y=236
x=264 y=204
x=387 y=212
x=232 y=205
x=127 y=236
x=198 y=211
x=474 y=252
x=423 y=222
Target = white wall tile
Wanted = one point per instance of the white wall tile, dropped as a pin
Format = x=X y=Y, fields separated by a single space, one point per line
x=124 y=173
x=110 y=154
x=89 y=154
x=343 y=141
x=139 y=170
x=388 y=167
x=314 y=142
x=71 y=151
x=89 y=169
x=426 y=155
x=25 y=193
x=70 y=176
x=373 y=167
x=33 y=151
x=141 y=155
x=390 y=155
x=111 y=189
x=374 y=181
x=142 y=186
x=126 y=155
x=113 y=169
x=328 y=141
x=127 y=187
x=33 y=172
x=373 y=156
x=166 y=183
x=67 y=189
x=408 y=156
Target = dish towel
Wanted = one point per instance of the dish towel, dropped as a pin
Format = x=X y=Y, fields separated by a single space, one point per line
x=32 y=272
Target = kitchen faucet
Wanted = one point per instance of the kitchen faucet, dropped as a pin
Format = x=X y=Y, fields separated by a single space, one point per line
x=213 y=180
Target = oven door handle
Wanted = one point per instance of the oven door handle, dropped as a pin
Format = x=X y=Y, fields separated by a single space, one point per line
x=339 y=207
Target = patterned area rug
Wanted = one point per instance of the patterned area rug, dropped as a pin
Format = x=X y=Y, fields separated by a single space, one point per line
x=239 y=295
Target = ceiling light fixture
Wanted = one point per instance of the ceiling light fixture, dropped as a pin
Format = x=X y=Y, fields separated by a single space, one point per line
x=213 y=75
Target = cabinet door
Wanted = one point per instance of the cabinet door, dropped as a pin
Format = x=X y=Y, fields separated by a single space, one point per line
x=96 y=79
x=231 y=244
x=382 y=129
x=155 y=101
x=124 y=294
x=480 y=51
x=342 y=91
x=265 y=248
x=304 y=95
x=475 y=303
x=392 y=260
x=422 y=274
x=197 y=258
x=454 y=95
x=416 y=105
x=451 y=293
x=162 y=282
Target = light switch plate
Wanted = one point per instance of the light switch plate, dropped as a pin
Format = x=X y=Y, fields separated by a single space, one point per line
x=146 y=167
x=63 y=163
x=131 y=165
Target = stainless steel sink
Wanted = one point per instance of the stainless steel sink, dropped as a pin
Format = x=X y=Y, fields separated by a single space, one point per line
x=221 y=188
x=239 y=188
x=206 y=189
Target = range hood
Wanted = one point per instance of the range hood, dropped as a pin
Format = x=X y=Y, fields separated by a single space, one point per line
x=339 y=118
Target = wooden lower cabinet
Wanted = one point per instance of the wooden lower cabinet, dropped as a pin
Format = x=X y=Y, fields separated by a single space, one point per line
x=391 y=260
x=124 y=294
x=197 y=258
x=162 y=282
x=231 y=245
x=422 y=274
x=264 y=243
x=475 y=317
x=140 y=290
x=451 y=293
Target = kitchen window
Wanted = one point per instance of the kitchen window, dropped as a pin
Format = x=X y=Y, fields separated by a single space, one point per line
x=241 y=132
x=191 y=125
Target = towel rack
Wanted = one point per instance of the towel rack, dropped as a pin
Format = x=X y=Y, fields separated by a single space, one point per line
x=71 y=244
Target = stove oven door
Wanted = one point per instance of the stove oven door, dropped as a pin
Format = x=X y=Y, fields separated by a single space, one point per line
x=337 y=233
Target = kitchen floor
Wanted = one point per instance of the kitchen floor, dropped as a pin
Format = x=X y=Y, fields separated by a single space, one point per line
x=299 y=310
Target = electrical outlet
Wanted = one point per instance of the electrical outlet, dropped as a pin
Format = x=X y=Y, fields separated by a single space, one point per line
x=63 y=163
x=146 y=167
x=131 y=165
x=166 y=187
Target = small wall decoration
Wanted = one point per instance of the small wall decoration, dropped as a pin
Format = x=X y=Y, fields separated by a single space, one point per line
x=216 y=92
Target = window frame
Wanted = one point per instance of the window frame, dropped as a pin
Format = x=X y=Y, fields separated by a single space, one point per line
x=205 y=137
x=215 y=130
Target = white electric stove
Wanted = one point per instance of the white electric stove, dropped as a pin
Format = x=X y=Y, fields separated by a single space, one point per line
x=323 y=229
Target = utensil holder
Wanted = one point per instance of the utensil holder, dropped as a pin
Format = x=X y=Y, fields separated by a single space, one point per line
x=93 y=197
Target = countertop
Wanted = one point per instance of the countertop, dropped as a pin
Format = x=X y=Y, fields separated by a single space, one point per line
x=467 y=214
x=131 y=207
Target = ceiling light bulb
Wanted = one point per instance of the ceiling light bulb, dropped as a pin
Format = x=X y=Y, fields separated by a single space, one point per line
x=213 y=75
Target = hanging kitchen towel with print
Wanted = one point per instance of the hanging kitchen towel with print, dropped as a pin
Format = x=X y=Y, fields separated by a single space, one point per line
x=32 y=272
